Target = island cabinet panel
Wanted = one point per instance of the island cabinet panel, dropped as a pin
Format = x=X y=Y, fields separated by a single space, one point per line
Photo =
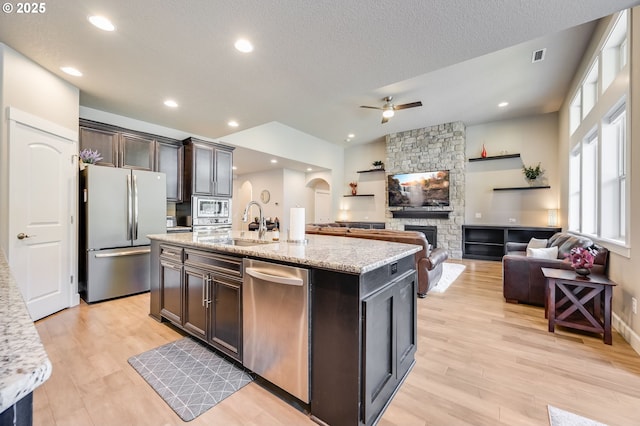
x=170 y=276
x=363 y=341
x=196 y=283
x=212 y=298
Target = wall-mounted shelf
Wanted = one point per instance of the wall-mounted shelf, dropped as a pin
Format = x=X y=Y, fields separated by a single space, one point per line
x=359 y=195
x=370 y=170
x=522 y=188
x=495 y=157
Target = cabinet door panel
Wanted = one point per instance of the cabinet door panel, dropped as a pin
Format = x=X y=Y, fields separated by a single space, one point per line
x=203 y=170
x=406 y=332
x=379 y=351
x=105 y=142
x=169 y=161
x=224 y=173
x=195 y=311
x=171 y=291
x=137 y=152
x=226 y=325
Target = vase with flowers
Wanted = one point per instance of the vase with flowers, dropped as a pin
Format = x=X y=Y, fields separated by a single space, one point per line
x=354 y=187
x=88 y=156
x=582 y=259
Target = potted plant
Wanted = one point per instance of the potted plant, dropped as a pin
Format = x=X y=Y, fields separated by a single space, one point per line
x=582 y=259
x=88 y=156
x=532 y=173
x=378 y=164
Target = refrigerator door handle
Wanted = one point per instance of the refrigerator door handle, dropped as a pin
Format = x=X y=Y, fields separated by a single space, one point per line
x=123 y=253
x=135 y=207
x=129 y=208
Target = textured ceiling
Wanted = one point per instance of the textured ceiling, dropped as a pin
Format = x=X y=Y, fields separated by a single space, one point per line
x=315 y=61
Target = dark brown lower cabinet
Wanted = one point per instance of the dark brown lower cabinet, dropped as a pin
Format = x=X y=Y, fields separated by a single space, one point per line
x=363 y=341
x=171 y=290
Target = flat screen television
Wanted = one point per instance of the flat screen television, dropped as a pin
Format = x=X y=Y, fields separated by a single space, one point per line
x=427 y=189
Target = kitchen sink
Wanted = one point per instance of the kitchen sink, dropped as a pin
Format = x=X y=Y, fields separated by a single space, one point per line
x=234 y=241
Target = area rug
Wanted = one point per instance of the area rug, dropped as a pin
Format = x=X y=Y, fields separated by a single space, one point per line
x=190 y=377
x=558 y=417
x=450 y=271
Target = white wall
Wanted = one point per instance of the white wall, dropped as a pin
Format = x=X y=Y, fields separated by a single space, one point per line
x=30 y=88
x=536 y=140
x=371 y=209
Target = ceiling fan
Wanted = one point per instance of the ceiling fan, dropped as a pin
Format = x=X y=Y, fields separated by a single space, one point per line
x=389 y=109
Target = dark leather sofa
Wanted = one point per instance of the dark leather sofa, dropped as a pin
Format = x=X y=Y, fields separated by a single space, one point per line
x=428 y=261
x=522 y=277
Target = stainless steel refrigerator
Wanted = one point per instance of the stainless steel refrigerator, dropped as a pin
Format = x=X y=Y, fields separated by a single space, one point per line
x=119 y=208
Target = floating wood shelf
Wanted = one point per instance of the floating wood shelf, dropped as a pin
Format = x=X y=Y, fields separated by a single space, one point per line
x=359 y=195
x=495 y=157
x=370 y=170
x=521 y=188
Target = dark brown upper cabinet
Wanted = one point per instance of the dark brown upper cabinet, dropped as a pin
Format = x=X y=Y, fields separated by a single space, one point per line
x=207 y=169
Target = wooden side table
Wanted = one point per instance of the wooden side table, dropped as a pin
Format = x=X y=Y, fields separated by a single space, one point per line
x=567 y=301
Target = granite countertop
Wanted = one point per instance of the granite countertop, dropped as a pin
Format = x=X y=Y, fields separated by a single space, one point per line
x=24 y=364
x=343 y=254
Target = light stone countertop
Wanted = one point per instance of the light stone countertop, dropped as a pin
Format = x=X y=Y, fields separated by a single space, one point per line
x=24 y=364
x=342 y=254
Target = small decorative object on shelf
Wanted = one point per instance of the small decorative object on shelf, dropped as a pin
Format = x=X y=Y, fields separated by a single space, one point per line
x=354 y=187
x=378 y=164
x=483 y=154
x=582 y=259
x=88 y=156
x=532 y=173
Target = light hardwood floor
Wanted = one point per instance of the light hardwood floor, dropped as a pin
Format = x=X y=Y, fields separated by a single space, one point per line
x=480 y=361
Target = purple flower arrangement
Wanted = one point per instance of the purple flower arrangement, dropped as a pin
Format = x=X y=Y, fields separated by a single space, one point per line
x=90 y=157
x=582 y=258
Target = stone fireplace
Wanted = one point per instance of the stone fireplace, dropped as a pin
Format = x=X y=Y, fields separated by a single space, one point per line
x=440 y=147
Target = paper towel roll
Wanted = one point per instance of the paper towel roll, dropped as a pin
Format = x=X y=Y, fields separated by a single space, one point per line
x=296 y=224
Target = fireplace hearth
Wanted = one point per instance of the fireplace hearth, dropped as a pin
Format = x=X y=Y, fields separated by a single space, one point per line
x=430 y=232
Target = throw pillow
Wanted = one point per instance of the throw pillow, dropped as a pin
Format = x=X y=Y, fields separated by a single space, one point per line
x=537 y=243
x=543 y=253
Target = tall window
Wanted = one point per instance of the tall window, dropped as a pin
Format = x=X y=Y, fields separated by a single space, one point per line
x=614 y=175
x=589 y=187
x=574 y=190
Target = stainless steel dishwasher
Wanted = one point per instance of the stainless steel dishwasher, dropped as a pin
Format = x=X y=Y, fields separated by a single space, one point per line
x=276 y=325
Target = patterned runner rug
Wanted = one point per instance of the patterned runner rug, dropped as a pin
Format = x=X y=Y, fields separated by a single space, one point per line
x=190 y=377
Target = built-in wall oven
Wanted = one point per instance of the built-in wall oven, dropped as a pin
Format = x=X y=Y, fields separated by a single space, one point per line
x=210 y=213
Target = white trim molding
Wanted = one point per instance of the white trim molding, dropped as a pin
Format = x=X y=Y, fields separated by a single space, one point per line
x=626 y=332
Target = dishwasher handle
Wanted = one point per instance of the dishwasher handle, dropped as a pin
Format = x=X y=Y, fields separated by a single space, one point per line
x=295 y=281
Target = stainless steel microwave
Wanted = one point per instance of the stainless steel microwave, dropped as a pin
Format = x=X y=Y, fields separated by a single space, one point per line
x=210 y=210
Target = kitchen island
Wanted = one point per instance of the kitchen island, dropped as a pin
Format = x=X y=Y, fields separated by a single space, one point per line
x=24 y=364
x=362 y=310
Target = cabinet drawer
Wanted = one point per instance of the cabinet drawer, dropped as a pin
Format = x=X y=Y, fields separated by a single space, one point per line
x=229 y=265
x=171 y=253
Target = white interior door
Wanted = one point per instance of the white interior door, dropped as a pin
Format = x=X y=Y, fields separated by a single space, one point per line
x=42 y=203
x=322 y=207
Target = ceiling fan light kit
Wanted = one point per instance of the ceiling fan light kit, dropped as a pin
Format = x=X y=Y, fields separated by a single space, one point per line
x=389 y=109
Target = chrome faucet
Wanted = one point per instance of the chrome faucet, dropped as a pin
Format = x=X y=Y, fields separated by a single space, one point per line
x=262 y=225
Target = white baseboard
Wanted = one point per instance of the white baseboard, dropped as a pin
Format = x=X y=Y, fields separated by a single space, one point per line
x=626 y=332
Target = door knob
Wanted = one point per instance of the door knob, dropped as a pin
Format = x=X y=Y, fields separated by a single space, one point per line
x=22 y=236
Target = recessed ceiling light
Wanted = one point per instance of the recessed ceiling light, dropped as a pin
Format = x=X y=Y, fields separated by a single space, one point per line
x=234 y=168
x=102 y=23
x=171 y=103
x=351 y=136
x=274 y=161
x=233 y=123
x=347 y=140
x=503 y=104
x=244 y=45
x=71 y=71
x=309 y=169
